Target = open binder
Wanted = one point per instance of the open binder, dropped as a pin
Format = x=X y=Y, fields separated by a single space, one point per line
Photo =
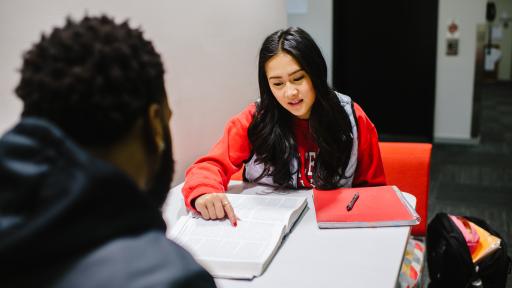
x=375 y=207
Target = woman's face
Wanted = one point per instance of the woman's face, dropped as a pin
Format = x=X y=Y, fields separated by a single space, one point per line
x=290 y=84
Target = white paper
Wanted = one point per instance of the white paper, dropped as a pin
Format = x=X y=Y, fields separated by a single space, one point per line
x=218 y=239
x=240 y=252
x=264 y=208
x=491 y=58
x=226 y=251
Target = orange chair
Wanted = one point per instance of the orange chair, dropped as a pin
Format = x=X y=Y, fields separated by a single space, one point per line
x=407 y=165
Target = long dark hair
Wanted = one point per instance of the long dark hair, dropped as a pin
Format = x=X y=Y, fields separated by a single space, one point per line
x=271 y=133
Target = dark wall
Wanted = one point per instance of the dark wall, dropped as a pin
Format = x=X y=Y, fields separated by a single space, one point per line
x=384 y=57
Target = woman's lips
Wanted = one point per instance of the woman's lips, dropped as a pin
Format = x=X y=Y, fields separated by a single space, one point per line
x=295 y=102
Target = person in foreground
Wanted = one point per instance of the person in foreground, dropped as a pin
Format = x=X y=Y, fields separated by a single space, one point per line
x=300 y=134
x=84 y=172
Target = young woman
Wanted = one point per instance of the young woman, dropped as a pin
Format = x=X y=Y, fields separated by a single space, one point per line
x=301 y=133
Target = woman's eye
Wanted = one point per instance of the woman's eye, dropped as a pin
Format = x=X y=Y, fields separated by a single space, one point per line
x=298 y=78
x=277 y=84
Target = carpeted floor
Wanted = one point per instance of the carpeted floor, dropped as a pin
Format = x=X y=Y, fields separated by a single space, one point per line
x=476 y=180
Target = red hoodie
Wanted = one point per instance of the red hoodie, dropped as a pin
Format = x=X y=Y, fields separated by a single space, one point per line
x=211 y=173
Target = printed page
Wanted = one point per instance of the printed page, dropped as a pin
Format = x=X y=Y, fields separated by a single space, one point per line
x=267 y=207
x=226 y=251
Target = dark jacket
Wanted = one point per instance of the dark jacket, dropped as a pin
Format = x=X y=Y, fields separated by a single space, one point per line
x=68 y=219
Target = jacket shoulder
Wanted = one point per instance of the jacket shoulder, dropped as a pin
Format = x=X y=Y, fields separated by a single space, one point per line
x=147 y=260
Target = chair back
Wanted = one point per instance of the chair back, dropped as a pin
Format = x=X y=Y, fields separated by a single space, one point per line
x=407 y=165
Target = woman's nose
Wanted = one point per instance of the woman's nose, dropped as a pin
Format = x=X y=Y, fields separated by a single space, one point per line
x=290 y=91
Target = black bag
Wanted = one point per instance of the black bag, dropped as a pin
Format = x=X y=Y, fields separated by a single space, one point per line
x=449 y=260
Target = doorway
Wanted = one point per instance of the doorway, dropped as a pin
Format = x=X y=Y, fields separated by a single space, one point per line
x=384 y=56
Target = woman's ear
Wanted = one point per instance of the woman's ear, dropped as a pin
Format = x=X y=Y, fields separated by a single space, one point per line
x=155 y=116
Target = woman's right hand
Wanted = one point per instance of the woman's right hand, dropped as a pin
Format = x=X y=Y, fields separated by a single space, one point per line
x=215 y=206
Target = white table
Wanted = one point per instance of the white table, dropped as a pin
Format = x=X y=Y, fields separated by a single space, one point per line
x=313 y=257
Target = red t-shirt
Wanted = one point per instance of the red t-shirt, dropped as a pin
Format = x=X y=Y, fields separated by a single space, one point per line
x=307 y=150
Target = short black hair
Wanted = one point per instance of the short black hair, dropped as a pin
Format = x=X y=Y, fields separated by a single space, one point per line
x=93 y=78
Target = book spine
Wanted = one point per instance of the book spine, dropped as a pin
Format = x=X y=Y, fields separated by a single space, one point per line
x=406 y=203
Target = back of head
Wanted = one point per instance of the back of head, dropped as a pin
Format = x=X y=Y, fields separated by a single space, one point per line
x=92 y=78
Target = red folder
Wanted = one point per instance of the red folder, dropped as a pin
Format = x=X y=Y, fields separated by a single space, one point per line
x=375 y=207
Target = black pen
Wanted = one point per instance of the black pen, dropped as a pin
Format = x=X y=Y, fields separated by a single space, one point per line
x=352 y=202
